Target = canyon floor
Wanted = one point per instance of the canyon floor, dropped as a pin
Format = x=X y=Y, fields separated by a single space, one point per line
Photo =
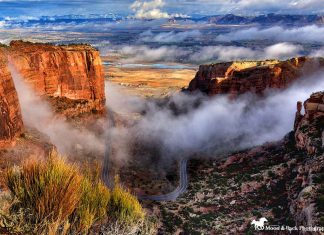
x=146 y=81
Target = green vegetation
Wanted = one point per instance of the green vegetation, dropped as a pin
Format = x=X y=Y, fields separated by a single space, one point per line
x=124 y=206
x=53 y=197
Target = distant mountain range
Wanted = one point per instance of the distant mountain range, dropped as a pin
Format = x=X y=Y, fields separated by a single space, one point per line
x=269 y=19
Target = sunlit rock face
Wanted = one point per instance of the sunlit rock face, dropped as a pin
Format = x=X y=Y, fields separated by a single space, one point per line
x=309 y=132
x=11 y=124
x=70 y=76
x=74 y=71
x=235 y=78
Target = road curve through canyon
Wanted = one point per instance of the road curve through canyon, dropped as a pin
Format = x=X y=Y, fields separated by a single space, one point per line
x=172 y=196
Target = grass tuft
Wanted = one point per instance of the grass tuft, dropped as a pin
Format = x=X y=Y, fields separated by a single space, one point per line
x=51 y=189
x=123 y=206
x=53 y=197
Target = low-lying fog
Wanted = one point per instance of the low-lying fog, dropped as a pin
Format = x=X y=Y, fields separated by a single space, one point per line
x=211 y=125
x=180 y=126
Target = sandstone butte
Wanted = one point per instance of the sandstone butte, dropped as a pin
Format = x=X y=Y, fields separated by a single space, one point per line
x=72 y=72
x=237 y=77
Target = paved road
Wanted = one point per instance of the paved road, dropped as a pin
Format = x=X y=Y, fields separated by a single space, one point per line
x=172 y=196
x=108 y=152
x=177 y=192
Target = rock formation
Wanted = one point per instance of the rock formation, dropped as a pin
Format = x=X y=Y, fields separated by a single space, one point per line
x=73 y=71
x=282 y=181
x=11 y=123
x=71 y=77
x=309 y=129
x=235 y=78
x=306 y=206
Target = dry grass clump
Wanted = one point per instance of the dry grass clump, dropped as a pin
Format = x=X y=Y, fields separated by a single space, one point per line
x=123 y=206
x=50 y=190
x=93 y=204
x=53 y=197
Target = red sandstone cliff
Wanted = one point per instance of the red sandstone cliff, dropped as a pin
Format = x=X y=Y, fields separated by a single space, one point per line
x=236 y=78
x=11 y=123
x=74 y=71
x=70 y=76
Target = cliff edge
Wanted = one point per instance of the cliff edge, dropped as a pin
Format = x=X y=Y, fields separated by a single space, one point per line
x=238 y=77
x=11 y=124
x=71 y=77
x=74 y=72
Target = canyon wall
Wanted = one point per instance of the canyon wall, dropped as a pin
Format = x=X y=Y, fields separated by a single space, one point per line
x=70 y=77
x=235 y=78
x=11 y=124
x=305 y=205
x=74 y=72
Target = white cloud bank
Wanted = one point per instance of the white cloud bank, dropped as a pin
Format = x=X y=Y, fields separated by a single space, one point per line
x=137 y=54
x=218 y=125
x=168 y=37
x=311 y=33
x=151 y=10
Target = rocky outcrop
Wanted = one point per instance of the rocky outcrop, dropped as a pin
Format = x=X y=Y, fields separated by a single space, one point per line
x=11 y=123
x=307 y=204
x=73 y=71
x=70 y=76
x=235 y=78
x=309 y=131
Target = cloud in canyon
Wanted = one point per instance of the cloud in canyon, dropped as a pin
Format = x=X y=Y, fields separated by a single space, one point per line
x=218 y=125
x=38 y=114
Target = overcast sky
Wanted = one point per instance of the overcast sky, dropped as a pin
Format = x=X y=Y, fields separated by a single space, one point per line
x=159 y=8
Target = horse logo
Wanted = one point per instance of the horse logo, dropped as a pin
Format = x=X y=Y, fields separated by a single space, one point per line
x=259 y=224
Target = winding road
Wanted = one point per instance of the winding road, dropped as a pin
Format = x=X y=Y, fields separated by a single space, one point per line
x=177 y=192
x=172 y=196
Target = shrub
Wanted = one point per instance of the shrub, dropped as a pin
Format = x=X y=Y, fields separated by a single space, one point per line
x=53 y=197
x=51 y=189
x=93 y=204
x=123 y=206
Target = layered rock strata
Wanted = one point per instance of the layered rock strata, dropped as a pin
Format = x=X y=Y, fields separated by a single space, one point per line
x=11 y=124
x=235 y=78
x=73 y=71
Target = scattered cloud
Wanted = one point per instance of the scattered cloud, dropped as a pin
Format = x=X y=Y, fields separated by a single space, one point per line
x=312 y=33
x=147 y=54
x=318 y=53
x=282 y=50
x=205 y=54
x=168 y=37
x=228 y=53
x=2 y=24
